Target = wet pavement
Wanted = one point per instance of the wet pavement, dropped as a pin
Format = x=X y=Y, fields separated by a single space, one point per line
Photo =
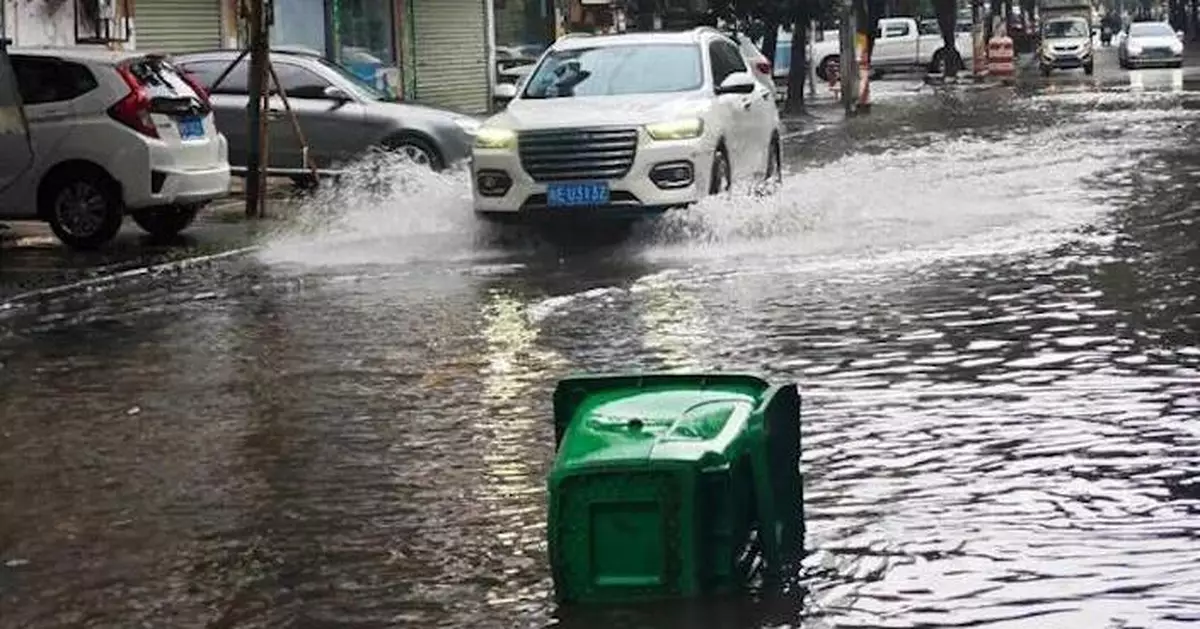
x=988 y=298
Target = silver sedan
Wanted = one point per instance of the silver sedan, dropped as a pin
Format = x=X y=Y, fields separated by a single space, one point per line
x=1150 y=44
x=341 y=116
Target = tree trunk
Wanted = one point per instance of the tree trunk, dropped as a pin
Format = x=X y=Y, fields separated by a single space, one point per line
x=770 y=42
x=798 y=72
x=947 y=17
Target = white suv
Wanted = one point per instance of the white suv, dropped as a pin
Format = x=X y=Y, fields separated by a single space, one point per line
x=623 y=125
x=112 y=132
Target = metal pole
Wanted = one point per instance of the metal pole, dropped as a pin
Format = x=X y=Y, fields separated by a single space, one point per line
x=812 y=67
x=490 y=20
x=258 y=63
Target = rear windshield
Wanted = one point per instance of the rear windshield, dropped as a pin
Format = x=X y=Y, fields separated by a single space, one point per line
x=161 y=79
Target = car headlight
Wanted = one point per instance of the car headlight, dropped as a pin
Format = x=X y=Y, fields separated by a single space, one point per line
x=1135 y=49
x=495 y=138
x=1177 y=47
x=676 y=130
x=470 y=126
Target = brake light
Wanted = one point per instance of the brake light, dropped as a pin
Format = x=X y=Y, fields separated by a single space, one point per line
x=195 y=85
x=133 y=111
x=764 y=67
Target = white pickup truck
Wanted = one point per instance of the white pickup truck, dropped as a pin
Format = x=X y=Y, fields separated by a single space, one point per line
x=901 y=44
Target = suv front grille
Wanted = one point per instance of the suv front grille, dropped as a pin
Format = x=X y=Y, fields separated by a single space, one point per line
x=564 y=154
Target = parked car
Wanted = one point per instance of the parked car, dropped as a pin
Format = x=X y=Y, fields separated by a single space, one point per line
x=1150 y=44
x=620 y=126
x=901 y=44
x=759 y=65
x=341 y=116
x=112 y=133
x=16 y=152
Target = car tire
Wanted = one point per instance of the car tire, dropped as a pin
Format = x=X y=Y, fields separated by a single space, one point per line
x=84 y=207
x=828 y=63
x=1045 y=70
x=416 y=149
x=1089 y=69
x=721 y=178
x=166 y=222
x=774 y=170
x=1177 y=65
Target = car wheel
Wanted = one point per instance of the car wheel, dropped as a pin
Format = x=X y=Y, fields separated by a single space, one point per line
x=721 y=178
x=416 y=150
x=1089 y=69
x=1177 y=64
x=1045 y=70
x=830 y=68
x=84 y=208
x=166 y=222
x=938 y=65
x=774 y=161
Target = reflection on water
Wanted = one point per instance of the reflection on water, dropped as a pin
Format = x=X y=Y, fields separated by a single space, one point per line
x=996 y=337
x=1169 y=80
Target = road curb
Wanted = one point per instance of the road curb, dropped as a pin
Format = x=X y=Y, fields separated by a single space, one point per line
x=21 y=300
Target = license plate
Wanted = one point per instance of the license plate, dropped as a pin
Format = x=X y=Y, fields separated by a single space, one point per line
x=191 y=128
x=584 y=194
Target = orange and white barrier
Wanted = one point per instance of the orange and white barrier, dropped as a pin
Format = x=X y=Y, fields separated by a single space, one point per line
x=864 y=71
x=1000 y=57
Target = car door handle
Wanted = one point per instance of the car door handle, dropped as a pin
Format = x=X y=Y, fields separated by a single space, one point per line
x=274 y=114
x=747 y=104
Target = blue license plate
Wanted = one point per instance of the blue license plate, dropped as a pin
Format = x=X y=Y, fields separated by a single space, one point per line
x=191 y=128
x=584 y=194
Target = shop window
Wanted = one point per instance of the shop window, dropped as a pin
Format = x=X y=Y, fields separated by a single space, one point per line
x=101 y=21
x=299 y=24
x=524 y=29
x=365 y=40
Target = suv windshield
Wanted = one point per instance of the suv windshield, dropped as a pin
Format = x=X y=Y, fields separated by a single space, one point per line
x=1151 y=29
x=1066 y=28
x=618 y=70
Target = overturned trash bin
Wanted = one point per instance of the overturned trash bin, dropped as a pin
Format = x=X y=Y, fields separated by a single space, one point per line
x=669 y=486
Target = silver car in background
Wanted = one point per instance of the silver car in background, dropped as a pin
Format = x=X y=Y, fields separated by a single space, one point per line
x=1150 y=44
x=342 y=117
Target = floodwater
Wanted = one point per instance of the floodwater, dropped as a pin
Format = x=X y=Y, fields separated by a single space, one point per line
x=990 y=305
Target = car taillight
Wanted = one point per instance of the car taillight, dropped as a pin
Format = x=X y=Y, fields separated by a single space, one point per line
x=133 y=111
x=764 y=67
x=195 y=85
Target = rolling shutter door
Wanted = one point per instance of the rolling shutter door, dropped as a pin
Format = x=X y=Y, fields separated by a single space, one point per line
x=177 y=25
x=451 y=53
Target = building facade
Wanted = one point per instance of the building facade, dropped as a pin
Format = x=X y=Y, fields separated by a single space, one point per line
x=440 y=52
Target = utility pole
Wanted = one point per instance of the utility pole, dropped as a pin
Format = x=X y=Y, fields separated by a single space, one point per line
x=847 y=34
x=259 y=53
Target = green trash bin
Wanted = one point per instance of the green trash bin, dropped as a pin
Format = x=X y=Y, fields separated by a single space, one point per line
x=672 y=485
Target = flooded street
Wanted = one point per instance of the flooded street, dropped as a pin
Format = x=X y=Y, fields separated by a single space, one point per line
x=989 y=300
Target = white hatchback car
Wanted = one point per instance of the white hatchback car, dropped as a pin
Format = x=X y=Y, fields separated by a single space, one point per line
x=112 y=133
x=620 y=126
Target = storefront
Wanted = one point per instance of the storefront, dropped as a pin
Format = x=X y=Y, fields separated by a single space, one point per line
x=428 y=51
x=358 y=34
x=177 y=25
x=449 y=53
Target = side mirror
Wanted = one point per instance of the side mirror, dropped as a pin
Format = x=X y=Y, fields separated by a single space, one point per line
x=336 y=93
x=737 y=83
x=505 y=91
